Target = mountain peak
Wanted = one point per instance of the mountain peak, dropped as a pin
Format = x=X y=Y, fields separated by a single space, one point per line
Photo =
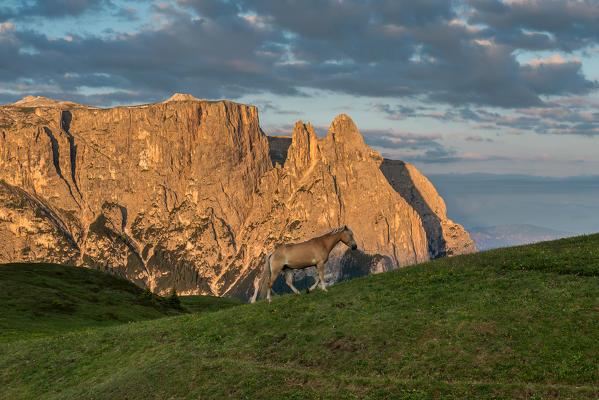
x=343 y=131
x=343 y=127
x=181 y=97
x=40 y=101
x=343 y=118
x=35 y=101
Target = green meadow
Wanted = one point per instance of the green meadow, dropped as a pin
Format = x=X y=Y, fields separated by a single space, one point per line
x=519 y=322
x=37 y=300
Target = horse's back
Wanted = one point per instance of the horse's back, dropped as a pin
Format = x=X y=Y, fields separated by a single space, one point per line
x=298 y=255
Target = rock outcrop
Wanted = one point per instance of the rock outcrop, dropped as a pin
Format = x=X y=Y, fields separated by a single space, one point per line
x=184 y=193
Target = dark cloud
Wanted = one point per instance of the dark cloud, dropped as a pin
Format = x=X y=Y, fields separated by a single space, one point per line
x=568 y=116
x=440 y=156
x=520 y=39
x=398 y=49
x=570 y=24
x=476 y=138
x=268 y=106
x=398 y=112
x=53 y=8
x=448 y=156
x=411 y=147
x=228 y=61
x=401 y=140
x=546 y=120
x=211 y=8
x=557 y=77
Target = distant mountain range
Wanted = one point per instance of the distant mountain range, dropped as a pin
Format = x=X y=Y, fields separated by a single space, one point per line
x=492 y=237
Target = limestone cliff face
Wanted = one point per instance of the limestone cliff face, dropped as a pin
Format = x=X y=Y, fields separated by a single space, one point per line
x=183 y=193
x=445 y=238
x=154 y=193
x=333 y=182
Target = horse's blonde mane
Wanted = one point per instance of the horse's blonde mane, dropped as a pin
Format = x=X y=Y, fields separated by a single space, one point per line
x=335 y=230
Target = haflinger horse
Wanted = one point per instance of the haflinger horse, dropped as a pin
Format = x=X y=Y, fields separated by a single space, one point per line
x=311 y=253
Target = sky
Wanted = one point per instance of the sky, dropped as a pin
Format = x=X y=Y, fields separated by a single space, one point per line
x=458 y=88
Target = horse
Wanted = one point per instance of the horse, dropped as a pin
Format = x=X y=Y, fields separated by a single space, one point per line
x=311 y=253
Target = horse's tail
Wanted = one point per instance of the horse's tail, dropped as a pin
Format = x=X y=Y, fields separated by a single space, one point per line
x=265 y=278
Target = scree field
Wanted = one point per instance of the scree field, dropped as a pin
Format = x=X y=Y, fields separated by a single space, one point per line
x=520 y=322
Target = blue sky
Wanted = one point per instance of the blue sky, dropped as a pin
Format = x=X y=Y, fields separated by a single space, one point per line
x=473 y=86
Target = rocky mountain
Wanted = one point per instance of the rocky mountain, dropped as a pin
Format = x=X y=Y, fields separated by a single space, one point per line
x=190 y=193
x=493 y=237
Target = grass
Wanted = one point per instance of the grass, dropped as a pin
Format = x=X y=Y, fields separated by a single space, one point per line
x=198 y=304
x=45 y=299
x=509 y=323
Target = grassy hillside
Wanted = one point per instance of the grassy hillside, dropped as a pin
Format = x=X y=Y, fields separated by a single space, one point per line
x=198 y=304
x=42 y=299
x=520 y=322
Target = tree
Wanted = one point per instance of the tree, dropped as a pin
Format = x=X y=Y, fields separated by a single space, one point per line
x=173 y=298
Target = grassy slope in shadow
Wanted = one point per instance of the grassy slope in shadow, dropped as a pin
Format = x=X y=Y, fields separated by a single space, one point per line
x=40 y=299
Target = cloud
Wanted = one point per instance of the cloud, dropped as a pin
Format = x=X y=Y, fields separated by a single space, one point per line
x=278 y=130
x=427 y=50
x=128 y=13
x=471 y=138
x=398 y=112
x=268 y=106
x=556 y=75
x=451 y=156
x=564 y=116
x=211 y=8
x=551 y=119
x=559 y=24
x=412 y=147
x=54 y=8
x=228 y=61
x=391 y=139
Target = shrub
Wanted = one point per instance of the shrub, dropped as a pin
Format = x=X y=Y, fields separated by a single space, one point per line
x=147 y=294
x=173 y=299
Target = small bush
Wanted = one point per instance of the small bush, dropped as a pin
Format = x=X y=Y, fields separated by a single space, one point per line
x=148 y=298
x=147 y=294
x=173 y=299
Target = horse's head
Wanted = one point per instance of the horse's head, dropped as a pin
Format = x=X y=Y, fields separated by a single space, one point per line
x=347 y=237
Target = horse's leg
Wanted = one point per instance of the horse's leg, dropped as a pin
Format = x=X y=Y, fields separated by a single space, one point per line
x=274 y=272
x=314 y=285
x=289 y=280
x=320 y=267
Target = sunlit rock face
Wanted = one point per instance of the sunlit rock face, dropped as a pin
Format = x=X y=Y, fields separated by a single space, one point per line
x=184 y=193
